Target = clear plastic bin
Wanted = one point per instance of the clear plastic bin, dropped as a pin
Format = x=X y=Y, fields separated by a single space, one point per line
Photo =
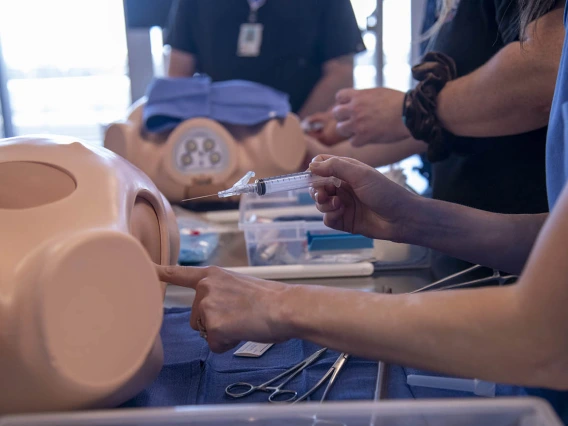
x=286 y=228
x=465 y=412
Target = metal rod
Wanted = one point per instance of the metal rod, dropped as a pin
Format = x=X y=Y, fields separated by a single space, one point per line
x=7 y=123
x=382 y=371
x=197 y=198
x=379 y=49
x=448 y=278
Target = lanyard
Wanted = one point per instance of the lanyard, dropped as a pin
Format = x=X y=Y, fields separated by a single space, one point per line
x=254 y=5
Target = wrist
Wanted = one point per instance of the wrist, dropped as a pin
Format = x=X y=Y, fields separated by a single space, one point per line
x=420 y=105
x=410 y=226
x=401 y=132
x=287 y=312
x=442 y=106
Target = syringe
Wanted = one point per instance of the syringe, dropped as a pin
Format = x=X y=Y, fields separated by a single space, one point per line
x=275 y=184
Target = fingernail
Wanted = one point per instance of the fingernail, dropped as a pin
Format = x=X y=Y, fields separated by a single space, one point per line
x=336 y=203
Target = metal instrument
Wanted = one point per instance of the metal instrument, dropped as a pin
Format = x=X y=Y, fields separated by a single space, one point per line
x=274 y=184
x=277 y=393
x=331 y=374
x=445 y=283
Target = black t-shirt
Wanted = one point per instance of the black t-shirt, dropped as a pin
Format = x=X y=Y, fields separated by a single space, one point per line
x=299 y=36
x=501 y=174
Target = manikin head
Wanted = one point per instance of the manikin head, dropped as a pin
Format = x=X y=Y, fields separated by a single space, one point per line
x=80 y=302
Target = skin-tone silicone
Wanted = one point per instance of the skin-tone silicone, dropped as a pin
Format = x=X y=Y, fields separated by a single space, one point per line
x=274 y=148
x=80 y=302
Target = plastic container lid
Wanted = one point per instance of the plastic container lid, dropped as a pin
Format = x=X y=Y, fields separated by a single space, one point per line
x=462 y=412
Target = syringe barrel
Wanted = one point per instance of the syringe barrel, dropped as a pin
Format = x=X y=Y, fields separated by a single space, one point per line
x=292 y=182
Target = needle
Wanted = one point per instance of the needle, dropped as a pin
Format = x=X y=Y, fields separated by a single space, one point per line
x=197 y=198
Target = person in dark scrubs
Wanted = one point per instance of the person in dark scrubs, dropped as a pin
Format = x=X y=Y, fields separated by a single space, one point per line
x=304 y=48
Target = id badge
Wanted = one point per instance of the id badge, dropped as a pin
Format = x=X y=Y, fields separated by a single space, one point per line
x=250 y=40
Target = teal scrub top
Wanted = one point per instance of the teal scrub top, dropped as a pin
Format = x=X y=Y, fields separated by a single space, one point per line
x=556 y=152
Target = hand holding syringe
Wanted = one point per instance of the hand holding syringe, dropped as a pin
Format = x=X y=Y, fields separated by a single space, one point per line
x=274 y=184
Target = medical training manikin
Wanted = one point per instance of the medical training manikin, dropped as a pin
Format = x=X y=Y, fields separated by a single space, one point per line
x=80 y=301
x=193 y=137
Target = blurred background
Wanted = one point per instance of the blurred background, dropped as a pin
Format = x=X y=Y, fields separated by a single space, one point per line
x=74 y=78
x=72 y=66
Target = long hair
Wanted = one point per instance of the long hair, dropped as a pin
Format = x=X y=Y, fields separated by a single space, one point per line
x=529 y=10
x=445 y=7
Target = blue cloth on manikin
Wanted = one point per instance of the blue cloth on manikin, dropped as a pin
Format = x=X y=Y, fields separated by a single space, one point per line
x=194 y=375
x=173 y=100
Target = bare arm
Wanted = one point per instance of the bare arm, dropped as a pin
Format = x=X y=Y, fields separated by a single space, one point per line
x=368 y=204
x=493 y=334
x=516 y=334
x=373 y=155
x=181 y=64
x=497 y=240
x=512 y=93
x=337 y=75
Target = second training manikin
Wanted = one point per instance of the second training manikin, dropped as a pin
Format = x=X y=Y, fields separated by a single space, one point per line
x=80 y=302
x=201 y=156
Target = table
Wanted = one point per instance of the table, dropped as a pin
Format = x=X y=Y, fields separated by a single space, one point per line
x=231 y=252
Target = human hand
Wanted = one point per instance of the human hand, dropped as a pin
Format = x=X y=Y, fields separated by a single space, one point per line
x=231 y=307
x=366 y=203
x=327 y=134
x=370 y=115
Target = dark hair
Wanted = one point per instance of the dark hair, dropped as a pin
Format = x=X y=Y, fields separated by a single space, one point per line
x=529 y=10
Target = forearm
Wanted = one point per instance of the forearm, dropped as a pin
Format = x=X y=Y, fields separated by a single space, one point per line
x=377 y=155
x=180 y=64
x=322 y=96
x=512 y=92
x=479 y=334
x=515 y=334
x=496 y=240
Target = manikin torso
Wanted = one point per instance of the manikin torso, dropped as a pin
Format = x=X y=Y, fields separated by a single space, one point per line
x=80 y=302
x=201 y=156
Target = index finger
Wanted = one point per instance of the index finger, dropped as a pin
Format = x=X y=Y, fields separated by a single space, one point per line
x=183 y=276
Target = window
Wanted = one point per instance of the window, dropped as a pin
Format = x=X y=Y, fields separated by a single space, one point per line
x=396 y=26
x=66 y=65
x=2 y=135
x=397 y=50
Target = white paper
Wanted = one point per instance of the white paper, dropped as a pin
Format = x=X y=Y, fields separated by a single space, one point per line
x=252 y=349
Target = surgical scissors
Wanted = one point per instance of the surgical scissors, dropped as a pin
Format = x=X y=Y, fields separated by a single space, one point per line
x=276 y=390
x=333 y=372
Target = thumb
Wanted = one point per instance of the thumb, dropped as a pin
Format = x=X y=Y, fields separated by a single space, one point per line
x=318 y=116
x=183 y=276
x=348 y=170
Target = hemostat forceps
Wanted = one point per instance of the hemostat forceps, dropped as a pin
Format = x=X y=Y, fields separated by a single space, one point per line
x=333 y=372
x=247 y=388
